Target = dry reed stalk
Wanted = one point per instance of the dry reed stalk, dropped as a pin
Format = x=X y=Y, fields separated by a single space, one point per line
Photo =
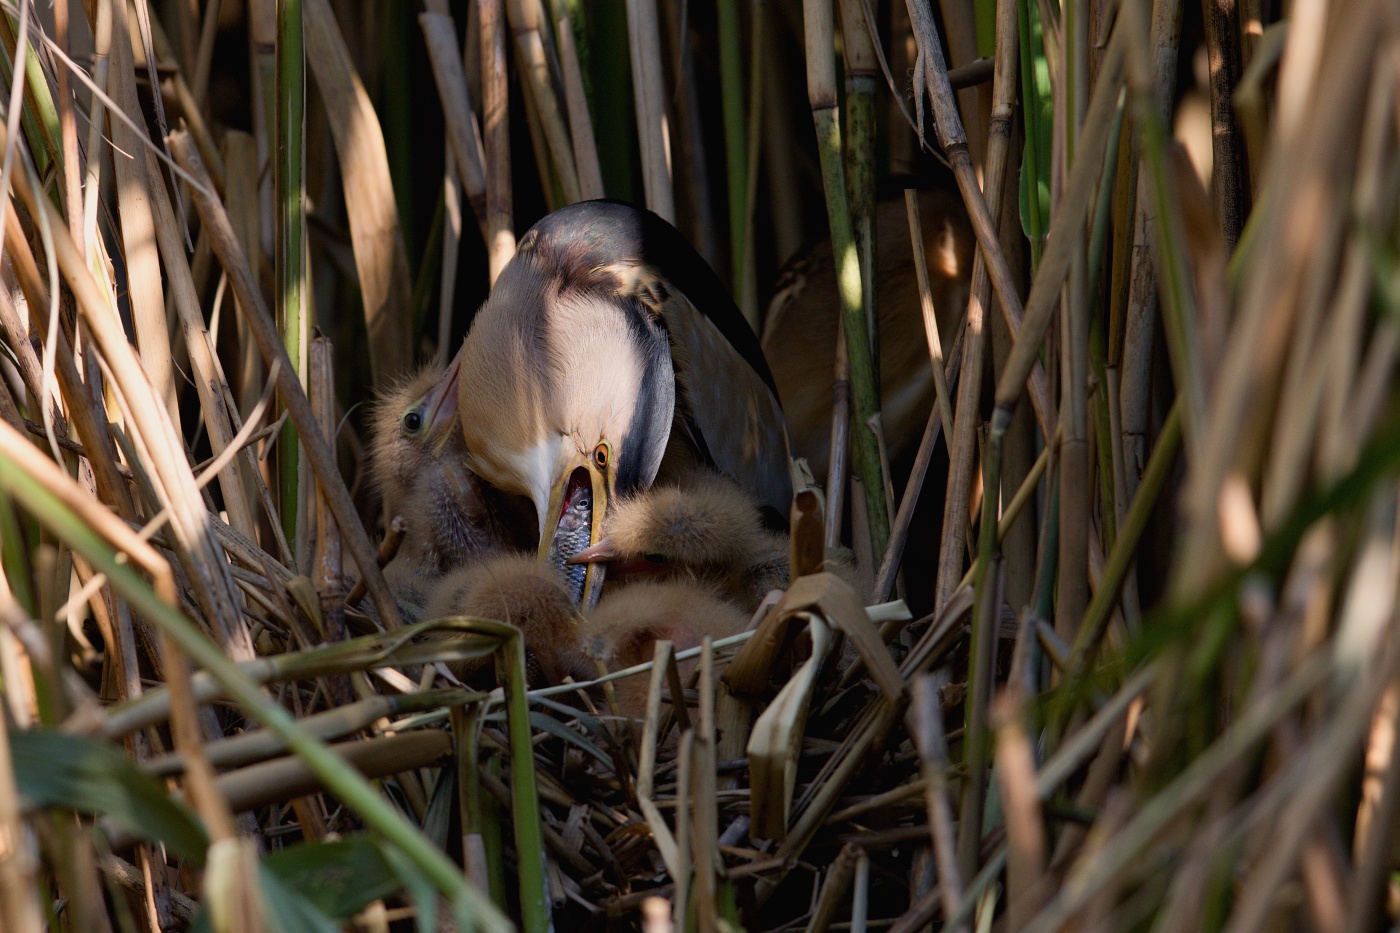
x=648 y=88
x=72 y=165
x=933 y=767
x=953 y=140
x=1229 y=180
x=330 y=584
x=819 y=28
x=1140 y=317
x=1318 y=381
x=322 y=458
x=212 y=585
x=935 y=346
x=495 y=122
x=463 y=136
x=834 y=888
x=839 y=445
x=137 y=222
x=381 y=264
x=221 y=423
x=974 y=104
x=526 y=22
x=590 y=173
x=1271 y=287
x=961 y=474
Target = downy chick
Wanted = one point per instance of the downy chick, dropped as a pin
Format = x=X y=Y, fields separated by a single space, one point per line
x=418 y=465
x=707 y=531
x=622 y=631
x=520 y=590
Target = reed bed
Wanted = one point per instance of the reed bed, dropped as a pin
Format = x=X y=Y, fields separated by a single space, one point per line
x=1130 y=655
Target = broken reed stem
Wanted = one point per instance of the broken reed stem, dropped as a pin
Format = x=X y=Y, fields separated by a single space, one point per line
x=821 y=93
x=230 y=254
x=495 y=125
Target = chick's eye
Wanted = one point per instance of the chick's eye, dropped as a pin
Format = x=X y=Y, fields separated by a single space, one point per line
x=601 y=456
x=654 y=558
x=412 y=421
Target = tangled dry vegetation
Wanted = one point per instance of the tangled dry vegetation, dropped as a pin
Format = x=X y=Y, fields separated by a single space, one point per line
x=1143 y=672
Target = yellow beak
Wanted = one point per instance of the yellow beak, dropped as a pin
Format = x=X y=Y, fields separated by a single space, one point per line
x=572 y=521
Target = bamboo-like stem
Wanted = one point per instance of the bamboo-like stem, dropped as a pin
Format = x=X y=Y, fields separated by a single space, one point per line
x=1070 y=216
x=526 y=22
x=1120 y=560
x=648 y=84
x=1229 y=172
x=590 y=173
x=862 y=77
x=495 y=125
x=293 y=306
x=821 y=93
x=1141 y=310
x=208 y=576
x=967 y=414
x=986 y=619
x=226 y=247
x=953 y=141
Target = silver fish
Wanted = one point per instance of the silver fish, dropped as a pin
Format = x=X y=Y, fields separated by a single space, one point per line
x=570 y=537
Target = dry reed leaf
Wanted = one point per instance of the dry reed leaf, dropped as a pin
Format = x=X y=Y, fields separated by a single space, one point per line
x=776 y=738
x=369 y=195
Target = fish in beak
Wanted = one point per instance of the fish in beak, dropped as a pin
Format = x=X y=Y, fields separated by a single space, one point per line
x=572 y=523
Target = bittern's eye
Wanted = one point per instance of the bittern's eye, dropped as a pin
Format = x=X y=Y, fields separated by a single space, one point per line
x=602 y=454
x=412 y=421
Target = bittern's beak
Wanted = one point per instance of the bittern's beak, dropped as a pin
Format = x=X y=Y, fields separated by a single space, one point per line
x=572 y=523
x=440 y=407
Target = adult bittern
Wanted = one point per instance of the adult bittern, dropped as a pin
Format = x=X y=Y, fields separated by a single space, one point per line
x=608 y=353
x=416 y=460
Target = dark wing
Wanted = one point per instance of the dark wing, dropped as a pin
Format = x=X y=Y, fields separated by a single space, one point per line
x=723 y=379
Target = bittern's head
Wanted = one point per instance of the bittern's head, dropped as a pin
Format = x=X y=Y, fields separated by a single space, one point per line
x=566 y=388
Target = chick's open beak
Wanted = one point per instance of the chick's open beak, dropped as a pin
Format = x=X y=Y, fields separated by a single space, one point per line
x=573 y=524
